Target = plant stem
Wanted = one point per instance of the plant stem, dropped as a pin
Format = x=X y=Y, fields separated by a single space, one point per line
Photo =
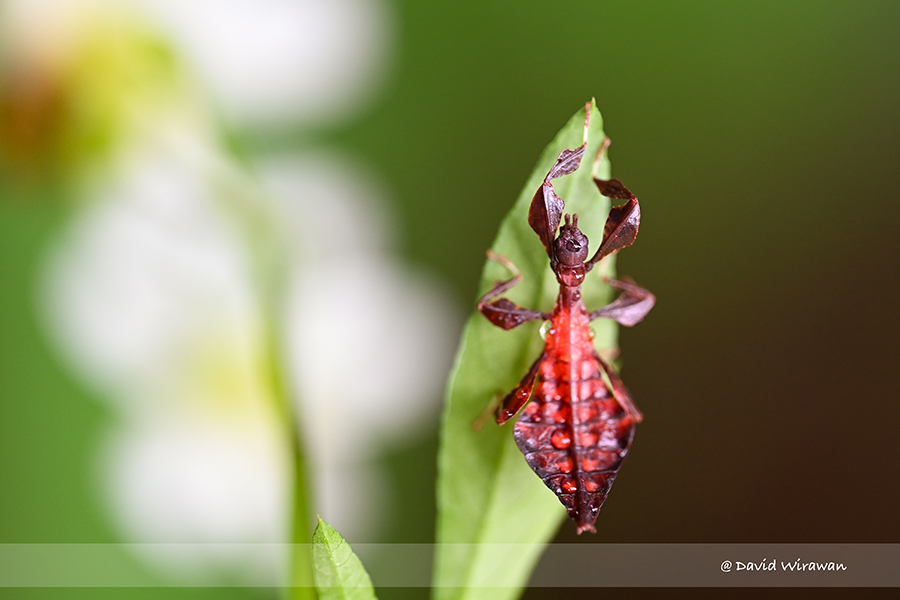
x=301 y=584
x=270 y=260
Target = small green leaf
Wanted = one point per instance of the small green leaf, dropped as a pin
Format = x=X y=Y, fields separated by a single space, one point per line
x=494 y=513
x=338 y=572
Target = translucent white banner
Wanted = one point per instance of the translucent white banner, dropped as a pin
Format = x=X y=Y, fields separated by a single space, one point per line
x=409 y=565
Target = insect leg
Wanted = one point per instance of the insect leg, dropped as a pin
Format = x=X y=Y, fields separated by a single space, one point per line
x=502 y=312
x=630 y=307
x=517 y=398
x=621 y=393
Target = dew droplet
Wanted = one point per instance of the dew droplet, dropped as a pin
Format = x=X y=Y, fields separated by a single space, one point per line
x=568 y=486
x=560 y=439
x=546 y=327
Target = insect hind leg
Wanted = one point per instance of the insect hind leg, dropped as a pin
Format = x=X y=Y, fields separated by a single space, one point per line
x=520 y=395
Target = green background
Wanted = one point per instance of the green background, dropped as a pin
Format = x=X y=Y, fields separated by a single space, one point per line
x=762 y=139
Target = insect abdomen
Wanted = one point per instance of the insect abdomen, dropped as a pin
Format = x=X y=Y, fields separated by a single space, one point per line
x=575 y=435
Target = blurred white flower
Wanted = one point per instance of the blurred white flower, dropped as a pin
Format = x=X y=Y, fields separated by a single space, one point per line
x=149 y=267
x=262 y=62
x=157 y=292
x=268 y=61
x=201 y=495
x=370 y=340
x=152 y=295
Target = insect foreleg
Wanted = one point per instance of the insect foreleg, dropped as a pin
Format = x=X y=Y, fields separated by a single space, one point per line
x=517 y=398
x=502 y=312
x=630 y=307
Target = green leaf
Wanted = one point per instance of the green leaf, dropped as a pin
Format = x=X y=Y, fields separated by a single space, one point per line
x=494 y=513
x=338 y=572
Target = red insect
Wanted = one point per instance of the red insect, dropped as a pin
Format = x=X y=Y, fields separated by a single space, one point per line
x=578 y=427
